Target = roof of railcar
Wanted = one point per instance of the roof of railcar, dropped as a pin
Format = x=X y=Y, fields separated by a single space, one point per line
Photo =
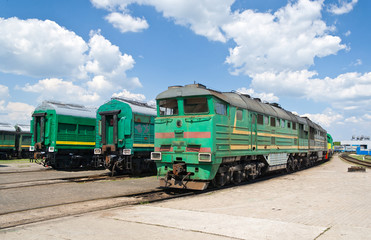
x=68 y=109
x=138 y=107
x=238 y=100
x=233 y=98
x=23 y=128
x=7 y=127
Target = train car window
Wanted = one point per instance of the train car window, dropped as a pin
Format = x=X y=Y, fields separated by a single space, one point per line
x=220 y=108
x=195 y=105
x=266 y=120
x=294 y=126
x=67 y=128
x=239 y=114
x=273 y=122
x=142 y=119
x=260 y=119
x=86 y=130
x=253 y=119
x=168 y=107
x=288 y=124
x=282 y=123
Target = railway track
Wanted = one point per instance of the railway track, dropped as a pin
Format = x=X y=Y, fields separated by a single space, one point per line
x=44 y=213
x=346 y=157
x=35 y=215
x=79 y=179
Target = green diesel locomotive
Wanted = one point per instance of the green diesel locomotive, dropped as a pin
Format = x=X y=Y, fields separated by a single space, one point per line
x=125 y=136
x=63 y=135
x=204 y=136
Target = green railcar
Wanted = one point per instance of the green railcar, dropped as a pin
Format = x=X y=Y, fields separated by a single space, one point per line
x=63 y=135
x=14 y=141
x=23 y=140
x=125 y=136
x=7 y=141
x=204 y=136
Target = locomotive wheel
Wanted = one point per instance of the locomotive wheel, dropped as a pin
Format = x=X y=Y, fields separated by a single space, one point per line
x=137 y=167
x=220 y=180
x=237 y=177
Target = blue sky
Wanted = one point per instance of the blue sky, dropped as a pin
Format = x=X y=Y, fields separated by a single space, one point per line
x=312 y=57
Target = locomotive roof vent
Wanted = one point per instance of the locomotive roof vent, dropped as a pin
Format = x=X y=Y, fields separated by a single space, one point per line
x=143 y=104
x=172 y=87
x=276 y=105
x=258 y=99
x=65 y=104
x=196 y=85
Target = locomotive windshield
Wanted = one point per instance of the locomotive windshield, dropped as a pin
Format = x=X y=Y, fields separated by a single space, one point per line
x=195 y=105
x=168 y=107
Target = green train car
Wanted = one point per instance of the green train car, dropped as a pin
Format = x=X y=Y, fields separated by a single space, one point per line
x=63 y=135
x=23 y=140
x=7 y=141
x=125 y=136
x=14 y=141
x=203 y=136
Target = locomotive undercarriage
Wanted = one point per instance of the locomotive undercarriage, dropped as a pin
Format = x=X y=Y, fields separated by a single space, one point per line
x=234 y=172
x=128 y=164
x=67 y=159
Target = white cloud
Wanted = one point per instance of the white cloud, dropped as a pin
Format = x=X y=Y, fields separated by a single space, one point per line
x=2 y=105
x=128 y=95
x=4 y=92
x=269 y=97
x=283 y=83
x=348 y=33
x=367 y=116
x=352 y=119
x=40 y=48
x=325 y=119
x=44 y=49
x=204 y=17
x=343 y=7
x=106 y=61
x=15 y=112
x=288 y=39
x=59 y=89
x=71 y=69
x=357 y=63
x=100 y=84
x=126 y=23
x=348 y=90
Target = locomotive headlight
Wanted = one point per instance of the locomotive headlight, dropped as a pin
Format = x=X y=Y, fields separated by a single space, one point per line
x=126 y=151
x=204 y=157
x=157 y=156
x=32 y=148
x=51 y=149
x=97 y=151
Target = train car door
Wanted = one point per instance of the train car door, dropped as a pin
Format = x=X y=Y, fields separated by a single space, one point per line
x=39 y=129
x=110 y=128
x=254 y=138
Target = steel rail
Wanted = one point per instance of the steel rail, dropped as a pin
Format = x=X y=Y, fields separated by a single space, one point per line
x=346 y=157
